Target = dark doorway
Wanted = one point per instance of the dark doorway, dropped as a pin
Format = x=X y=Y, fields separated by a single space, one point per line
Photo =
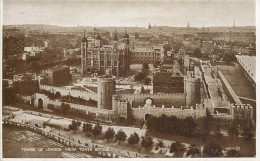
x=57 y=95
x=147 y=116
x=40 y=103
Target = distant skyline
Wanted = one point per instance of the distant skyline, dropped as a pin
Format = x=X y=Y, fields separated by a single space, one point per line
x=131 y=13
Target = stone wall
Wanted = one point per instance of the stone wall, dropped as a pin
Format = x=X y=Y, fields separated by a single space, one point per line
x=139 y=113
x=166 y=99
x=64 y=91
x=192 y=90
x=242 y=112
x=86 y=109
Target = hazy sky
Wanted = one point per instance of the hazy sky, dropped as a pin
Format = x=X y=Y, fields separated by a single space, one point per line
x=130 y=13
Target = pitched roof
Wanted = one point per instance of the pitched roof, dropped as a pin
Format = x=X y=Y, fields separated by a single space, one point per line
x=161 y=77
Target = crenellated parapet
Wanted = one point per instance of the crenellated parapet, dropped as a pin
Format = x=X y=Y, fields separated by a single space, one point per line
x=194 y=112
x=243 y=112
x=159 y=99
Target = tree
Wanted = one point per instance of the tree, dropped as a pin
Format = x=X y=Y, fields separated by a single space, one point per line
x=247 y=134
x=8 y=96
x=248 y=131
x=177 y=148
x=145 y=67
x=167 y=47
x=109 y=134
x=133 y=139
x=65 y=108
x=147 y=81
x=147 y=142
x=217 y=133
x=156 y=64
x=203 y=127
x=193 y=150
x=97 y=130
x=160 y=143
x=233 y=131
x=233 y=153
x=120 y=136
x=87 y=127
x=33 y=64
x=213 y=150
x=74 y=125
x=229 y=56
x=197 y=53
x=50 y=106
x=57 y=95
x=139 y=76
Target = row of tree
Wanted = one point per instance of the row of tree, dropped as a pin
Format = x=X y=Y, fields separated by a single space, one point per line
x=142 y=75
x=211 y=149
x=202 y=128
x=120 y=136
x=171 y=125
x=63 y=109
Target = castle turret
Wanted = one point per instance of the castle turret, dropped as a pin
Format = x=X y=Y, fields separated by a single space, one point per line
x=98 y=41
x=84 y=47
x=115 y=40
x=192 y=89
x=106 y=89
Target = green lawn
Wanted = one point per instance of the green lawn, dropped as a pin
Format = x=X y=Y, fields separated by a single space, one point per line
x=240 y=84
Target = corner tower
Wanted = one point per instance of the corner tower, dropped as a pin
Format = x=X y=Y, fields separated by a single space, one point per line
x=106 y=89
x=192 y=89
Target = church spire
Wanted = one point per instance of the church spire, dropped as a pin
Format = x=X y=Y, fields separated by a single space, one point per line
x=188 y=26
x=126 y=35
x=149 y=26
x=84 y=39
x=115 y=38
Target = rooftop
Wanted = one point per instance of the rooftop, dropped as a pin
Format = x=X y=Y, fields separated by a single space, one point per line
x=249 y=64
x=164 y=77
x=142 y=50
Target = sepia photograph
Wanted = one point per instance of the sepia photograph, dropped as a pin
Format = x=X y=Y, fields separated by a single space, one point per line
x=128 y=79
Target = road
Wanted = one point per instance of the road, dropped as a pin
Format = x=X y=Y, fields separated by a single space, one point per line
x=33 y=118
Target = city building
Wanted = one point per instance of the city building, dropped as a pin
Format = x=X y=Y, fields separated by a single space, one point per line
x=248 y=65
x=13 y=45
x=166 y=82
x=142 y=55
x=56 y=76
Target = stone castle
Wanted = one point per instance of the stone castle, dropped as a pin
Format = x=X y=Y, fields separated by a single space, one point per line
x=100 y=58
x=117 y=106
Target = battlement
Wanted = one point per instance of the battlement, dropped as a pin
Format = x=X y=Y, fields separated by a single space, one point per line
x=109 y=49
x=243 y=106
x=140 y=112
x=192 y=79
x=106 y=78
x=148 y=95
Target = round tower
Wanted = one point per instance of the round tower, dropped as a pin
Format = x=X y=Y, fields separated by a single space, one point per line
x=106 y=89
x=192 y=90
